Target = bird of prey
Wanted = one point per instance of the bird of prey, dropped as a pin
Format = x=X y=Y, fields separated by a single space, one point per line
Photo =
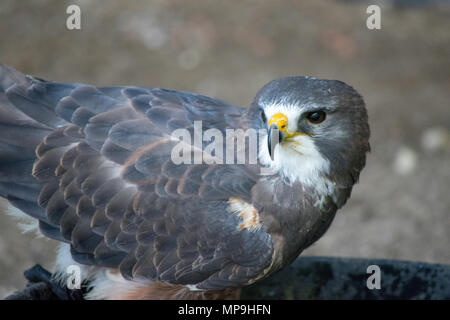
x=93 y=167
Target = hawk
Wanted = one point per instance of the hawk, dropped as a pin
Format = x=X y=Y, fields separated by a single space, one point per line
x=93 y=167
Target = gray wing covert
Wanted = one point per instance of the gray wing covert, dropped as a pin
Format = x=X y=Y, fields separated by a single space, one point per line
x=110 y=189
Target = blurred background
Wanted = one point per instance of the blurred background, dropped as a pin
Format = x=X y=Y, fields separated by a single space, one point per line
x=230 y=49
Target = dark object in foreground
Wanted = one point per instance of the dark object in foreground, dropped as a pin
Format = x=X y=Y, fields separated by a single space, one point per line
x=346 y=278
x=306 y=278
x=41 y=286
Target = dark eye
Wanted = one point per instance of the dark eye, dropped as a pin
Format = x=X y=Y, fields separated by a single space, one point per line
x=316 y=117
x=263 y=116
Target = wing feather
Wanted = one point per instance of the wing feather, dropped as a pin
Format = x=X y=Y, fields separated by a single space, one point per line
x=109 y=187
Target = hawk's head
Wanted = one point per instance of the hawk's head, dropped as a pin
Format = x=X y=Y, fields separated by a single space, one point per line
x=317 y=131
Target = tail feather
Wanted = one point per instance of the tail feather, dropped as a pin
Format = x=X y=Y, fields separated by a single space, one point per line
x=10 y=77
x=24 y=123
x=20 y=191
x=24 y=99
x=31 y=208
x=12 y=153
x=13 y=171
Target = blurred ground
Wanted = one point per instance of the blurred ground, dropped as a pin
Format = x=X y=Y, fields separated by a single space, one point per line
x=400 y=209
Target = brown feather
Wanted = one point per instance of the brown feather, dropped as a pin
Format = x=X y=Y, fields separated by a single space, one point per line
x=163 y=291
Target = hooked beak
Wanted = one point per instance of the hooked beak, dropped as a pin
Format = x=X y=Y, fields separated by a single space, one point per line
x=274 y=137
x=277 y=132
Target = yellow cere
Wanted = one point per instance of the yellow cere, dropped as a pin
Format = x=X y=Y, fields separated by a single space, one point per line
x=281 y=121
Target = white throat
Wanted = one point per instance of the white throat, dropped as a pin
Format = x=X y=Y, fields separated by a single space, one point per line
x=299 y=161
x=296 y=160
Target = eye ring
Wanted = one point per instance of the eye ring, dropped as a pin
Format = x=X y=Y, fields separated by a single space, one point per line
x=316 y=117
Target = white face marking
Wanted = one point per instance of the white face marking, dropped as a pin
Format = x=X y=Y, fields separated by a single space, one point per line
x=297 y=159
x=291 y=112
